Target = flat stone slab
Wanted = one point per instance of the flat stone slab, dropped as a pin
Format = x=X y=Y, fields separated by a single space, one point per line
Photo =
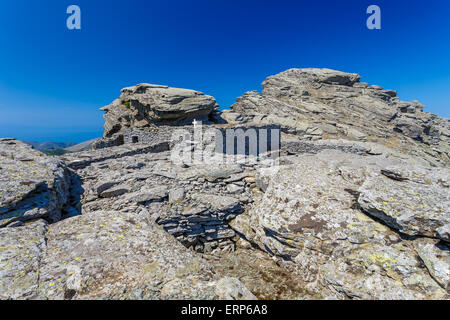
x=411 y=199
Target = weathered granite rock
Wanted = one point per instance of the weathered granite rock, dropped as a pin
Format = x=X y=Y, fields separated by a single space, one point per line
x=83 y=159
x=210 y=173
x=436 y=257
x=414 y=200
x=32 y=185
x=354 y=209
x=176 y=194
x=232 y=289
x=262 y=276
x=193 y=204
x=142 y=105
x=21 y=253
x=116 y=255
x=310 y=219
x=323 y=103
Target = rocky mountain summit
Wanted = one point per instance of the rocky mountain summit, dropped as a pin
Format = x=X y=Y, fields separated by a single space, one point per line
x=355 y=206
x=327 y=104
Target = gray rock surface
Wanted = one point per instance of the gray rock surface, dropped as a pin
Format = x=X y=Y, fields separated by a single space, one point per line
x=32 y=185
x=323 y=103
x=83 y=146
x=414 y=200
x=144 y=105
x=310 y=218
x=21 y=252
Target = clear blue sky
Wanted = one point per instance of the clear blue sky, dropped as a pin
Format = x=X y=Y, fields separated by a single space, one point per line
x=53 y=80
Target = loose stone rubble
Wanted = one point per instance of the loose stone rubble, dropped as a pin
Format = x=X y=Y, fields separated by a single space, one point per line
x=356 y=206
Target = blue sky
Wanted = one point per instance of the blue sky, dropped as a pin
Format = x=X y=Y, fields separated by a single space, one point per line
x=54 y=80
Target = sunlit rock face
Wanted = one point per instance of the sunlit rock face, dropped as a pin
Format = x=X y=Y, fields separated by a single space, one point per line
x=144 y=105
x=323 y=104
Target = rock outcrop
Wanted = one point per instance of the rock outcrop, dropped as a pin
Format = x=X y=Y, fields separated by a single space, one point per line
x=310 y=217
x=115 y=249
x=193 y=204
x=21 y=251
x=33 y=185
x=322 y=104
x=123 y=255
x=145 y=105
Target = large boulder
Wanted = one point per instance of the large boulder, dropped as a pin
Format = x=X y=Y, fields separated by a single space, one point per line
x=353 y=210
x=323 y=104
x=144 y=105
x=105 y=255
x=120 y=255
x=412 y=199
x=310 y=218
x=32 y=185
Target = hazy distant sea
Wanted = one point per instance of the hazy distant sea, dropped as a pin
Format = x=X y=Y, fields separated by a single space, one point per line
x=69 y=134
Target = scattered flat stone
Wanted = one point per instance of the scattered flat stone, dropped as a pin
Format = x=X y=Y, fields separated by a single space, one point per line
x=176 y=194
x=151 y=194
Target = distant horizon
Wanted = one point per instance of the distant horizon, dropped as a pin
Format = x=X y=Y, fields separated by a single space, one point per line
x=54 y=80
